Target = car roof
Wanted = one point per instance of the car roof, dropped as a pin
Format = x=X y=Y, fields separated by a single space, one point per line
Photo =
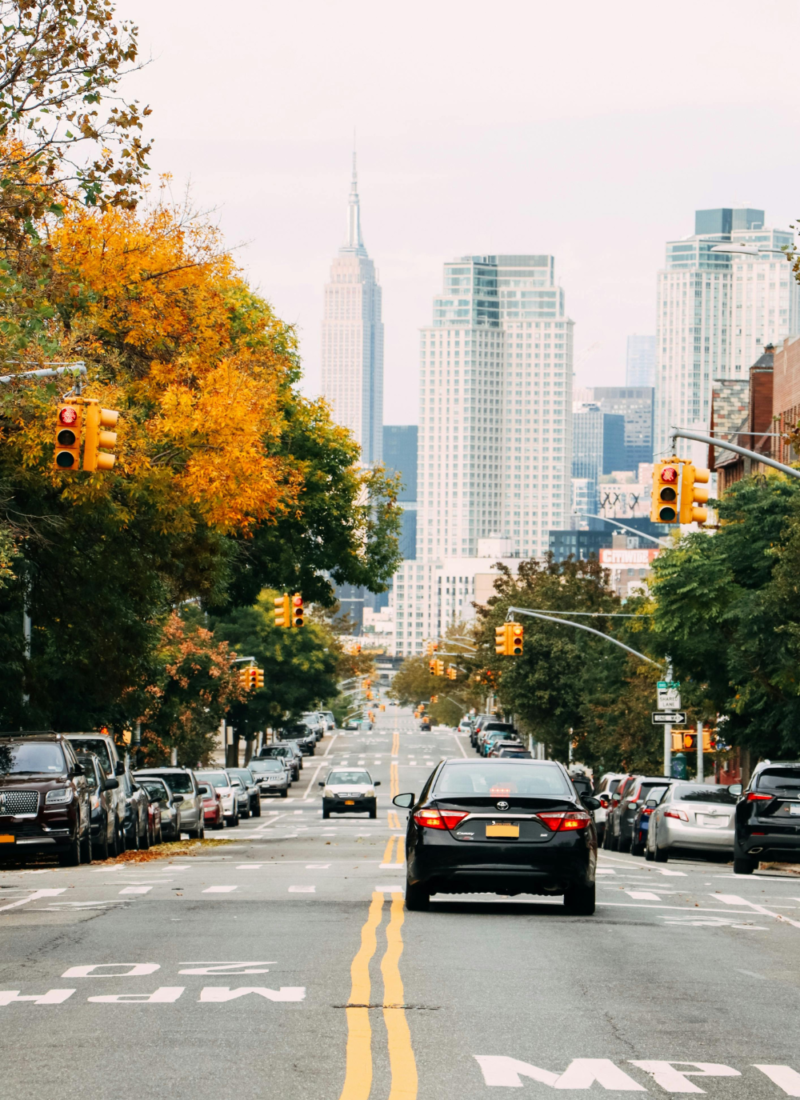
x=163 y=771
x=484 y=760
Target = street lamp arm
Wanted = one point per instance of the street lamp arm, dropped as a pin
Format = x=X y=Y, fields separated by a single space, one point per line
x=589 y=629
x=682 y=433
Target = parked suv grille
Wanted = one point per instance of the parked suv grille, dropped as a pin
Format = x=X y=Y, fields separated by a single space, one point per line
x=19 y=802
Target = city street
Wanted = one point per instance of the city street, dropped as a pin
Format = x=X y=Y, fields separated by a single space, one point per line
x=282 y=963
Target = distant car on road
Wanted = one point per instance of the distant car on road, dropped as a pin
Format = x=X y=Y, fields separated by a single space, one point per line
x=767 y=818
x=509 y=750
x=213 y=813
x=502 y=827
x=271 y=775
x=287 y=751
x=168 y=804
x=641 y=820
x=349 y=790
x=301 y=735
x=251 y=787
x=632 y=797
x=181 y=781
x=102 y=802
x=219 y=779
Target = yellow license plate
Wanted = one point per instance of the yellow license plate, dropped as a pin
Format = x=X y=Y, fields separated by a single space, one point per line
x=502 y=830
x=6 y=838
x=349 y=802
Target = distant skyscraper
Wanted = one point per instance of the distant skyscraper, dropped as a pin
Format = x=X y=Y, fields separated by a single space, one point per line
x=640 y=361
x=635 y=404
x=598 y=445
x=715 y=314
x=495 y=437
x=400 y=457
x=352 y=339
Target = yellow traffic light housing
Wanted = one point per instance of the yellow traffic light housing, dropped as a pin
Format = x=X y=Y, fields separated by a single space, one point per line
x=500 y=639
x=434 y=698
x=243 y=677
x=664 y=498
x=692 y=495
x=451 y=673
x=97 y=420
x=68 y=437
x=432 y=667
x=439 y=668
x=516 y=633
x=283 y=615
x=259 y=678
x=382 y=706
x=297 y=610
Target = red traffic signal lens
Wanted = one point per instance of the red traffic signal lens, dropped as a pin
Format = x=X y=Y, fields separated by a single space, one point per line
x=68 y=415
x=65 y=459
x=669 y=474
x=297 y=601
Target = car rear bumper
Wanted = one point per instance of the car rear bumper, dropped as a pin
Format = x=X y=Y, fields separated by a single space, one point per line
x=349 y=805
x=274 y=789
x=683 y=835
x=445 y=865
x=782 y=848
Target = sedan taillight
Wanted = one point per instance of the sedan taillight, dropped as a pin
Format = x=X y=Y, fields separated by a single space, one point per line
x=753 y=797
x=439 y=819
x=679 y=815
x=567 y=822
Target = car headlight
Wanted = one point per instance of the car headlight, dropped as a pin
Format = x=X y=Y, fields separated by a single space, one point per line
x=369 y=792
x=60 y=797
x=328 y=793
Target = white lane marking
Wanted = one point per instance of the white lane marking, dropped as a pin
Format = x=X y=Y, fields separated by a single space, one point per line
x=672 y=1079
x=52 y=997
x=220 y=889
x=605 y=871
x=297 y=811
x=333 y=739
x=392 y=866
x=666 y=871
x=40 y=871
x=34 y=897
x=679 y=908
x=177 y=867
x=249 y=866
x=121 y=970
x=461 y=747
x=752 y=974
x=136 y=890
x=106 y=870
x=784 y=1077
x=219 y=994
x=312 y=786
x=643 y=895
x=734 y=899
x=302 y=889
x=317 y=866
x=395 y=888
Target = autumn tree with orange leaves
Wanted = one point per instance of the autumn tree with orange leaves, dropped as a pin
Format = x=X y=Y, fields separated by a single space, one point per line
x=227 y=479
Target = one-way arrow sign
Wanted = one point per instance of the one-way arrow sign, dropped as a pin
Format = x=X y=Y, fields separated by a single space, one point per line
x=668 y=717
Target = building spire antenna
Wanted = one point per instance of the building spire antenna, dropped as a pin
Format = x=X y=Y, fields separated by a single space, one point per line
x=354 y=241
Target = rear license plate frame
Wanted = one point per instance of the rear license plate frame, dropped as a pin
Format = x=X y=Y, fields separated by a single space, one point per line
x=502 y=830
x=794 y=809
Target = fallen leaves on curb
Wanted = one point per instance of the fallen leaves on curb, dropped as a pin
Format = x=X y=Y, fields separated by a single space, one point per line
x=164 y=851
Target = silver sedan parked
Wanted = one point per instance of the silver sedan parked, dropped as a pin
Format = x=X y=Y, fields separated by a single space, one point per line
x=693 y=817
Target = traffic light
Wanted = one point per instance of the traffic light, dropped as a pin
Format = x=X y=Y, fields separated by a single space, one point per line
x=664 y=499
x=431 y=648
x=709 y=740
x=432 y=667
x=500 y=639
x=259 y=678
x=283 y=615
x=97 y=420
x=68 y=437
x=451 y=673
x=684 y=741
x=516 y=633
x=691 y=495
x=434 y=698
x=438 y=668
x=243 y=677
x=297 y=609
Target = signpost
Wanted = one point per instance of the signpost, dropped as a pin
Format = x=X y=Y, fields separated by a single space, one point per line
x=668 y=698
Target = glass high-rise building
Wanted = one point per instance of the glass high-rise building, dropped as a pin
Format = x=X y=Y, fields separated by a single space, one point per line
x=495 y=434
x=400 y=457
x=715 y=314
x=640 y=360
x=352 y=339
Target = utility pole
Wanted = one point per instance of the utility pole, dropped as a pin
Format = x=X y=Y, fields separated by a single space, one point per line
x=700 y=760
x=668 y=735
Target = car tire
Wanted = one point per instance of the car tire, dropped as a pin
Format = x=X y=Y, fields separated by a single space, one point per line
x=418 y=898
x=607 y=839
x=71 y=857
x=257 y=810
x=245 y=813
x=284 y=794
x=235 y=822
x=159 y=838
x=744 y=865
x=637 y=849
x=86 y=846
x=613 y=843
x=649 y=855
x=661 y=855
x=104 y=848
x=119 y=838
x=623 y=844
x=144 y=839
x=325 y=814
x=218 y=825
x=580 y=900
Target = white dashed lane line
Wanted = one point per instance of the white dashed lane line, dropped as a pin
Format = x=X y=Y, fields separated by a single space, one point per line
x=220 y=889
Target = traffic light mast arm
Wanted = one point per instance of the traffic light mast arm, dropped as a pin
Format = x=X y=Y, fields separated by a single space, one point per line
x=633 y=530
x=712 y=441
x=581 y=626
x=236 y=660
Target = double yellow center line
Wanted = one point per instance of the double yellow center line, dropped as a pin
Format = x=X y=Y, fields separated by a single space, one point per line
x=387 y=855
x=403 y=1066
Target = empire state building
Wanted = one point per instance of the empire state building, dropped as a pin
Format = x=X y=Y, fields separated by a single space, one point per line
x=352 y=339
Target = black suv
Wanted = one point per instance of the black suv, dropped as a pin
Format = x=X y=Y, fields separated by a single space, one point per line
x=767 y=817
x=44 y=799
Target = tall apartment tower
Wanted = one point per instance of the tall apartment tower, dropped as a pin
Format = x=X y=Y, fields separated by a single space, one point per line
x=352 y=339
x=640 y=360
x=715 y=314
x=495 y=432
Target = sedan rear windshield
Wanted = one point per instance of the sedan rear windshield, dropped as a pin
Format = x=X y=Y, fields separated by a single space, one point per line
x=779 y=780
x=498 y=780
x=179 y=782
x=685 y=792
x=35 y=758
x=216 y=779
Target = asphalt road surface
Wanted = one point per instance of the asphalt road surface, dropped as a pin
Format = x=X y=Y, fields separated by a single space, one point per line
x=284 y=965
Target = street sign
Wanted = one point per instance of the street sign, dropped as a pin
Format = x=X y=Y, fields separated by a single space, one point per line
x=668 y=694
x=668 y=717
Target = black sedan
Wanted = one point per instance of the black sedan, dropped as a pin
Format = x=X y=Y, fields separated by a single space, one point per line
x=767 y=817
x=502 y=827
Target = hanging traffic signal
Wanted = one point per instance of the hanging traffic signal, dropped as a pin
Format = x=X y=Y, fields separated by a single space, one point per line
x=709 y=740
x=297 y=609
x=434 y=698
x=259 y=678
x=439 y=668
x=516 y=633
x=282 y=611
x=500 y=639
x=691 y=495
x=451 y=673
x=664 y=498
x=97 y=420
x=684 y=740
x=243 y=676
x=68 y=437
x=432 y=667
x=431 y=648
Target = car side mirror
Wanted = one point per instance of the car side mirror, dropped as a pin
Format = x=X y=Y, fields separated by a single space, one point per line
x=177 y=798
x=111 y=785
x=119 y=768
x=321 y=783
x=735 y=789
x=404 y=801
x=77 y=769
x=377 y=783
x=590 y=802
x=652 y=803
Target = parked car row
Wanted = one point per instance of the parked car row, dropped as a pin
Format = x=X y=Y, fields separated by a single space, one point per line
x=659 y=817
x=490 y=736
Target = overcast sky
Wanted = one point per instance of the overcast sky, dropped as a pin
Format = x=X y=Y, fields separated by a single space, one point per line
x=589 y=131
